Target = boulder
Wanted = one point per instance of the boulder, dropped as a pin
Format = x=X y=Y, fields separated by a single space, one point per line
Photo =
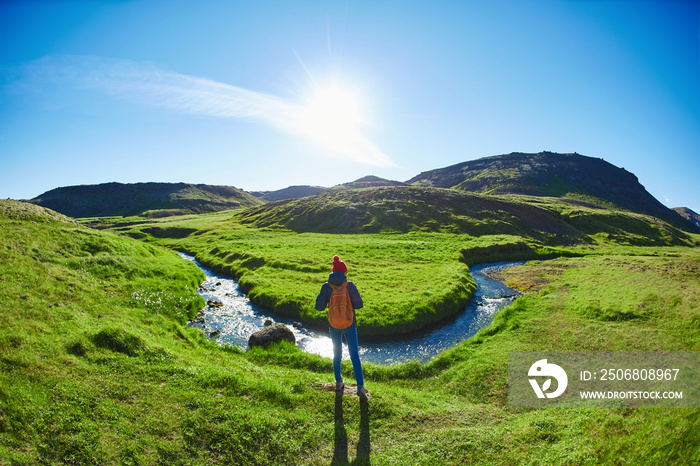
x=272 y=334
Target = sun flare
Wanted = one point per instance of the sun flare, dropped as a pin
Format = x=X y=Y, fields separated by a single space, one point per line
x=333 y=118
x=332 y=113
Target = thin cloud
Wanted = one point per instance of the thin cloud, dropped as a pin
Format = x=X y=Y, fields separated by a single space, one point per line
x=148 y=85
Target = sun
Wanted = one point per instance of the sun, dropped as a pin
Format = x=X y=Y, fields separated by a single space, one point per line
x=336 y=106
x=332 y=113
x=332 y=118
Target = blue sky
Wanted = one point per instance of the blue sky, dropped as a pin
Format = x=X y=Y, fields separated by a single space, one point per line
x=232 y=92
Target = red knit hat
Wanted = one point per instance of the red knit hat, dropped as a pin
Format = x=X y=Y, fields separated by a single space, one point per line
x=339 y=266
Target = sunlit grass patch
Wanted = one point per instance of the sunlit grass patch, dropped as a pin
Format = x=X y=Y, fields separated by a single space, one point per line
x=407 y=281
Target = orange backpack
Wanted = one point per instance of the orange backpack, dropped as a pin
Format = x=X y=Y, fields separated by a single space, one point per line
x=340 y=311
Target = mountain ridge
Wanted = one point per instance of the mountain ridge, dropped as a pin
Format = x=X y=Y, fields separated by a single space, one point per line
x=550 y=174
x=369 y=181
x=290 y=192
x=111 y=199
x=688 y=214
x=588 y=180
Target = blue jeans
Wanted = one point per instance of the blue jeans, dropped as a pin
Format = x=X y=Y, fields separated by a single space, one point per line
x=351 y=339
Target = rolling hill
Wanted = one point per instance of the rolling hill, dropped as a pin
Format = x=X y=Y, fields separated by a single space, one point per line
x=296 y=192
x=418 y=208
x=290 y=192
x=156 y=199
x=553 y=175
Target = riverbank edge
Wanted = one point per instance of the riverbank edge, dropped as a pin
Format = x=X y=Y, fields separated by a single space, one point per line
x=447 y=309
x=455 y=301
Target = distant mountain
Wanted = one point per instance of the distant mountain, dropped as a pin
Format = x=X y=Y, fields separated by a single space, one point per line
x=367 y=182
x=555 y=175
x=158 y=199
x=573 y=178
x=690 y=215
x=297 y=192
x=292 y=192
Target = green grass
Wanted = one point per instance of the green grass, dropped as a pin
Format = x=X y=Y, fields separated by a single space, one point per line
x=407 y=280
x=96 y=366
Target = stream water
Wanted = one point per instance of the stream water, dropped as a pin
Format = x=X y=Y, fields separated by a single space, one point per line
x=237 y=318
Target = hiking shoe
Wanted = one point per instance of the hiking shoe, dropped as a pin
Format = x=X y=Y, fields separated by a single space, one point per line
x=362 y=392
x=339 y=386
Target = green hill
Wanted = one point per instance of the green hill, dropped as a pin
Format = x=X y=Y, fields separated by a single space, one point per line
x=553 y=175
x=415 y=208
x=18 y=210
x=151 y=199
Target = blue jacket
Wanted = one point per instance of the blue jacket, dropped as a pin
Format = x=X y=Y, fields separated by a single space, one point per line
x=338 y=278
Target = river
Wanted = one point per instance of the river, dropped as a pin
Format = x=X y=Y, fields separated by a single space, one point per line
x=238 y=318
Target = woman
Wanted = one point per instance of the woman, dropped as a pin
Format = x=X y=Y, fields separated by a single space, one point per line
x=336 y=279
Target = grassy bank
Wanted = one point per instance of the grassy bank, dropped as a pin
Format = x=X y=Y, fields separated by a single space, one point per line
x=96 y=366
x=408 y=280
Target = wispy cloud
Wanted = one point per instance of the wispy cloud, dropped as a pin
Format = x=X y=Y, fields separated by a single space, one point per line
x=148 y=85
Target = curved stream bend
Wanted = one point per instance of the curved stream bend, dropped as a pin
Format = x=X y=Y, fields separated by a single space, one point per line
x=238 y=318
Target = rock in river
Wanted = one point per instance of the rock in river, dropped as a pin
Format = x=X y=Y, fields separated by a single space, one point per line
x=272 y=334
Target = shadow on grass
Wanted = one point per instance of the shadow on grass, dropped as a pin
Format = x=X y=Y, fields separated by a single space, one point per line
x=363 y=446
x=340 y=450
